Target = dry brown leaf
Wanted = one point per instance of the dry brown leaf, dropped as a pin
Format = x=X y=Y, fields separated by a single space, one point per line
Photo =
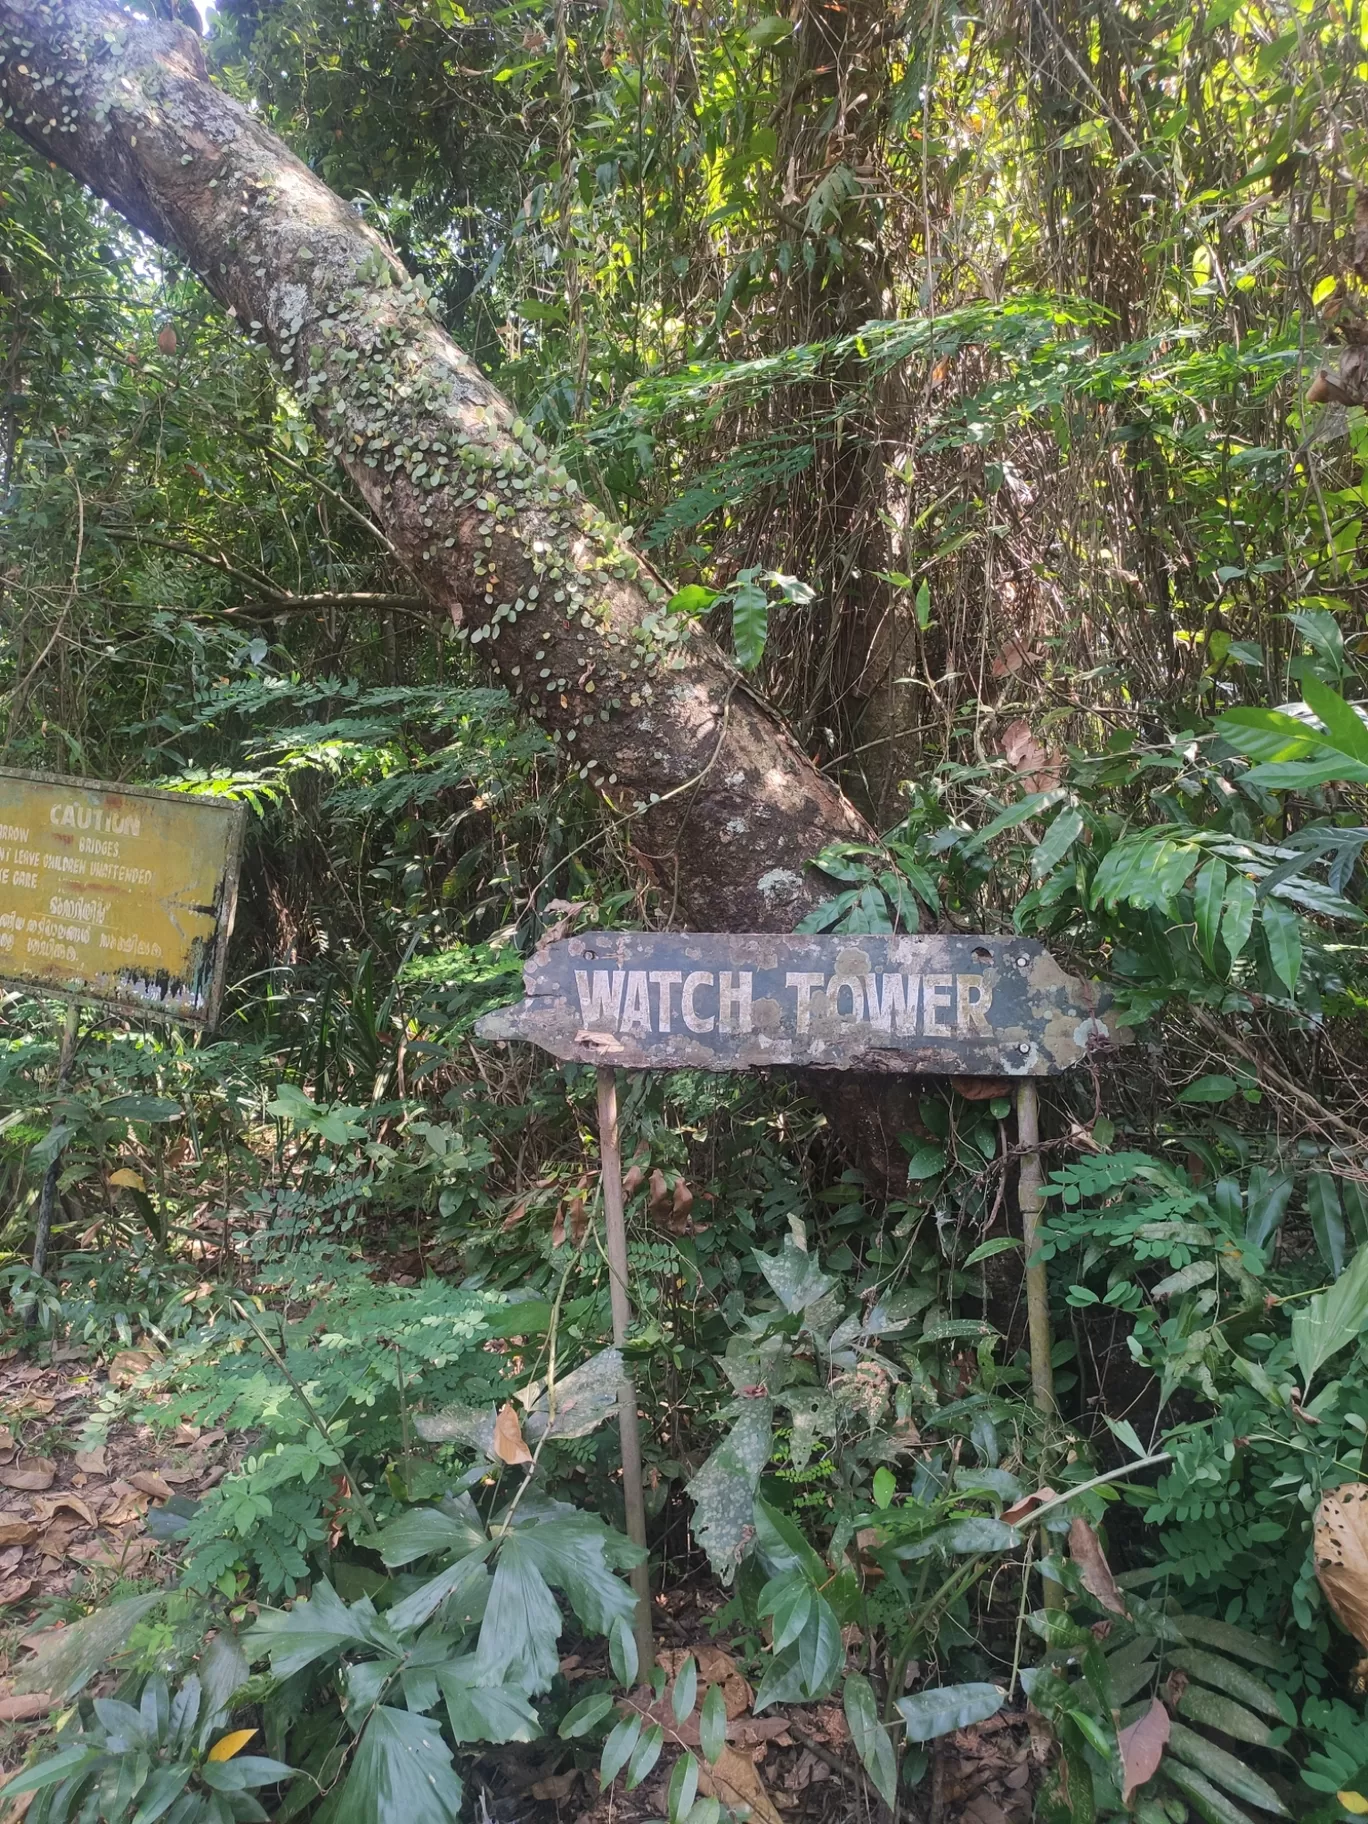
x=128 y=1504
x=558 y=1227
x=30 y=1473
x=1038 y=766
x=509 y=1443
x=659 y=1203
x=7 y=1439
x=1085 y=1548
x=17 y=1529
x=1341 y=1553
x=556 y=1786
x=128 y=1364
x=166 y=342
x=633 y=1179
x=1022 y=1509
x=680 y=1206
x=72 y=1503
x=1142 y=1747
x=20 y=1709
x=57 y=1538
x=92 y=1462
x=17 y=1809
x=9 y=1558
x=980 y=1089
x=14 y=1589
x=735 y=1781
x=187 y=1472
x=515 y=1215
x=36 y=1405
x=151 y=1484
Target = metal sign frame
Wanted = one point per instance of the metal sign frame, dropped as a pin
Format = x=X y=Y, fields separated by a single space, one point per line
x=206 y=1018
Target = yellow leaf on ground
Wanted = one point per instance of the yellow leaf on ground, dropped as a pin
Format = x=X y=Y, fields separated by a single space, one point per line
x=228 y=1745
x=1355 y=1802
x=128 y=1178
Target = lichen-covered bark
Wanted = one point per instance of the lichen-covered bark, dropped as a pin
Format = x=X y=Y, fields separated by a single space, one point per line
x=721 y=804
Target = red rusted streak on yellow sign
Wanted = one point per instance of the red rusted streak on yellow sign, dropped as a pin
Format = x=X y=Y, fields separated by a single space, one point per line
x=117 y=893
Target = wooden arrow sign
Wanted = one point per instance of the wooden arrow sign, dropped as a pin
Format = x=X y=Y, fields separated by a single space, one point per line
x=936 y=1005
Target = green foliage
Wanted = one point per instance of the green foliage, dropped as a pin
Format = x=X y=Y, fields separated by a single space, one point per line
x=156 y=1754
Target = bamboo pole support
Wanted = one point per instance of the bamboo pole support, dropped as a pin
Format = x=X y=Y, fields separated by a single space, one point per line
x=610 y=1154
x=48 y=1196
x=1030 y=1202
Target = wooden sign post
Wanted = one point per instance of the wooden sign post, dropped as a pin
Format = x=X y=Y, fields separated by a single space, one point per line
x=118 y=894
x=938 y=1005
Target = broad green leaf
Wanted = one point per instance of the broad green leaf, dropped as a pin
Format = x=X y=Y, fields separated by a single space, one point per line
x=1306 y=775
x=522 y=1623
x=142 y=1108
x=1208 y=898
x=1210 y=1089
x=693 y=598
x=1224 y=1769
x=683 y=1788
x=244 y=1773
x=807 y=1668
x=1331 y=1320
x=927 y=1161
x=1282 y=931
x=787 y=1601
x=922 y=605
x=423 y=1531
x=1173 y=1285
x=618 y=1749
x=1344 y=727
x=485 y=1713
x=712 y=1725
x=401 y=1773
x=315 y=1628
x=723 y=1491
x=1327 y=1219
x=1145 y=869
x=1000 y=1244
x=685 y=1692
x=463 y=1586
x=67 y=1764
x=796 y=1277
x=1209 y=1802
x=161 y=1792
x=1269 y=1195
x=870 y=1737
x=1229 y=1679
x=622 y=1653
x=585 y=1398
x=587 y=1714
x=750 y=624
x=1223 y=1713
x=1062 y=834
x=576 y=1553
x=1208 y=1632
x=644 y=1755
x=937 y=1712
x=1266 y=734
x=1237 y=916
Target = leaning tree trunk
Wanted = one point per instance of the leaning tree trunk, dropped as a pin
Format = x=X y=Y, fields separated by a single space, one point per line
x=722 y=806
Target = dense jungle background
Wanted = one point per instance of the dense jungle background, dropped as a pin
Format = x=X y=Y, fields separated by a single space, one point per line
x=991 y=384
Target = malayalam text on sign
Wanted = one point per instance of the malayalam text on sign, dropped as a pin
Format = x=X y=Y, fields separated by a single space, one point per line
x=117 y=893
x=938 y=1004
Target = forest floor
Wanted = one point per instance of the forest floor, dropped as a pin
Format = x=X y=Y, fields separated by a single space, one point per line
x=79 y=1518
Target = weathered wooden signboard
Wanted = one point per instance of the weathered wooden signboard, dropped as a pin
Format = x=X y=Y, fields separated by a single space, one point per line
x=117 y=893
x=935 y=1005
